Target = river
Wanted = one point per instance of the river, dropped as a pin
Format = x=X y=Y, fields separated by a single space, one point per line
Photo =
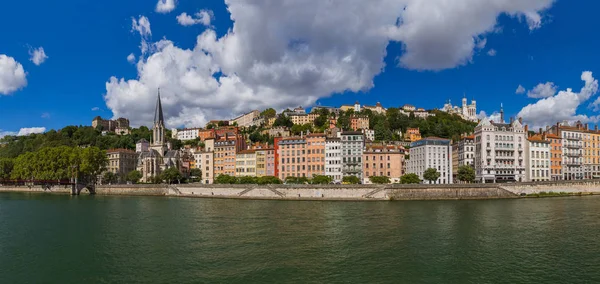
x=48 y=238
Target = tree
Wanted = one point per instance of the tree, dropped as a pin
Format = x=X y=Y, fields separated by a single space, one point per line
x=466 y=173
x=6 y=167
x=379 y=179
x=225 y=179
x=283 y=120
x=195 y=174
x=210 y=126
x=296 y=180
x=156 y=179
x=268 y=113
x=343 y=122
x=431 y=175
x=134 y=176
x=110 y=178
x=351 y=180
x=410 y=179
x=247 y=180
x=171 y=174
x=319 y=179
x=269 y=180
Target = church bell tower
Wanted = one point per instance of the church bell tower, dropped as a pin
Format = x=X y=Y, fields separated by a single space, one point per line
x=158 y=130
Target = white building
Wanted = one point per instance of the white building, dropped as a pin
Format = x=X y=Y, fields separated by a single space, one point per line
x=500 y=151
x=352 y=149
x=572 y=150
x=369 y=134
x=463 y=153
x=467 y=112
x=333 y=158
x=431 y=152
x=142 y=146
x=538 y=157
x=187 y=133
x=204 y=161
x=245 y=120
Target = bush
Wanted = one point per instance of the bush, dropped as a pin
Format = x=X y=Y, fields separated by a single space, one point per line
x=351 y=180
x=269 y=180
x=379 y=180
x=247 y=180
x=410 y=179
x=225 y=179
x=321 y=180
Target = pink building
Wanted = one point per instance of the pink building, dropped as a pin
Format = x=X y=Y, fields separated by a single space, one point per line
x=383 y=160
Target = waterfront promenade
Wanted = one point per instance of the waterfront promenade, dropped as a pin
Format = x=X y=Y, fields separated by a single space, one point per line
x=339 y=192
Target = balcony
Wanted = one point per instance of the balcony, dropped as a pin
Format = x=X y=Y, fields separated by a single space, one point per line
x=573 y=164
x=573 y=138
x=573 y=154
x=572 y=146
x=505 y=158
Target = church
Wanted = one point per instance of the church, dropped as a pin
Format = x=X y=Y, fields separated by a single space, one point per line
x=467 y=112
x=159 y=156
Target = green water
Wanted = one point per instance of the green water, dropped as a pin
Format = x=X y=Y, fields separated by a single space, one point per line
x=97 y=239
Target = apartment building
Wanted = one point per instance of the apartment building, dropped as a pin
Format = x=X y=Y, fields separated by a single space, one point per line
x=591 y=145
x=204 y=160
x=245 y=120
x=352 y=148
x=292 y=157
x=431 y=152
x=303 y=118
x=572 y=149
x=265 y=162
x=186 y=133
x=245 y=163
x=224 y=156
x=412 y=134
x=500 y=151
x=121 y=162
x=333 y=158
x=358 y=122
x=555 y=156
x=315 y=146
x=383 y=160
x=538 y=157
x=463 y=153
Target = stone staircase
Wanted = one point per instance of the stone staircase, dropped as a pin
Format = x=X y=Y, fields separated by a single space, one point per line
x=276 y=191
x=245 y=191
x=370 y=194
x=174 y=189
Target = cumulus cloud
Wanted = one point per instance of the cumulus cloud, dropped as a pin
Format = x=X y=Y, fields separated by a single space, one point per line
x=165 y=6
x=520 y=90
x=142 y=26
x=12 y=75
x=95 y=109
x=23 y=131
x=495 y=116
x=289 y=53
x=131 y=58
x=562 y=106
x=203 y=17
x=38 y=56
x=543 y=91
x=492 y=52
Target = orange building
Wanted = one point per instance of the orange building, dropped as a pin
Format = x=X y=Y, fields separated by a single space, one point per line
x=359 y=122
x=315 y=145
x=555 y=156
x=292 y=157
x=412 y=134
x=383 y=160
x=224 y=157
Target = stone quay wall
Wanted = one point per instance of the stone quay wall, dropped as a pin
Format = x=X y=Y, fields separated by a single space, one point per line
x=335 y=192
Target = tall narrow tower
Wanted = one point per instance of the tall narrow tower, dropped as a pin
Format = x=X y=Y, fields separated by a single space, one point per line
x=501 y=113
x=158 y=130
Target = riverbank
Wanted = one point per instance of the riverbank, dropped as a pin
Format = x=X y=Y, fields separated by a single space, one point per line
x=342 y=192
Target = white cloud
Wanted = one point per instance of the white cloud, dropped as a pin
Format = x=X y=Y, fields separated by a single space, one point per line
x=131 y=58
x=23 y=131
x=495 y=116
x=543 y=91
x=520 y=90
x=38 y=56
x=562 y=106
x=289 y=53
x=45 y=115
x=203 y=17
x=480 y=43
x=492 y=52
x=12 y=75
x=95 y=109
x=165 y=6
x=142 y=26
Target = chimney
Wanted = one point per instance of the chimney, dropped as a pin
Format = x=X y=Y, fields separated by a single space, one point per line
x=540 y=130
x=512 y=119
x=547 y=128
x=501 y=114
x=526 y=129
x=596 y=127
x=587 y=126
x=521 y=120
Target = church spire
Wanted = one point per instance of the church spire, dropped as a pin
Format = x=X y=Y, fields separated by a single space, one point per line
x=158 y=113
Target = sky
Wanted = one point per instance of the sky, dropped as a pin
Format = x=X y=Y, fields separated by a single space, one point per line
x=65 y=62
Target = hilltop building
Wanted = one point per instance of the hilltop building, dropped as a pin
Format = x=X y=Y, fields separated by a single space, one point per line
x=120 y=126
x=467 y=112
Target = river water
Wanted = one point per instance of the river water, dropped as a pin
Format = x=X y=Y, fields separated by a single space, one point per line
x=109 y=239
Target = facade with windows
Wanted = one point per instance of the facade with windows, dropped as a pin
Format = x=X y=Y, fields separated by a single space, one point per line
x=383 y=160
x=352 y=149
x=555 y=156
x=315 y=155
x=333 y=158
x=538 y=157
x=463 y=153
x=500 y=151
x=292 y=157
x=431 y=152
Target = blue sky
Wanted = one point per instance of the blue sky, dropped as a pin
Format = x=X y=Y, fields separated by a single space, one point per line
x=87 y=42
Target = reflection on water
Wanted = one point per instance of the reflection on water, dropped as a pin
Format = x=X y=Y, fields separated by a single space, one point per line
x=99 y=239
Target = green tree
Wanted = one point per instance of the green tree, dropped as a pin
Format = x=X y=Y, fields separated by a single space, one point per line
x=171 y=175
x=296 y=180
x=431 y=175
x=343 y=122
x=195 y=174
x=247 y=180
x=134 y=176
x=410 y=179
x=466 y=173
x=157 y=179
x=225 y=179
x=382 y=131
x=269 y=180
x=351 y=180
x=268 y=113
x=6 y=167
x=379 y=179
x=283 y=120
x=93 y=161
x=320 y=179
x=109 y=178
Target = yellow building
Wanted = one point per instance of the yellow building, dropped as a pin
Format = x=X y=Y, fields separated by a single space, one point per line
x=245 y=163
x=591 y=152
x=303 y=118
x=412 y=134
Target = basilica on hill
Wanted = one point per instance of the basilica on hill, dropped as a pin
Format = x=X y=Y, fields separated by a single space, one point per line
x=158 y=156
x=467 y=112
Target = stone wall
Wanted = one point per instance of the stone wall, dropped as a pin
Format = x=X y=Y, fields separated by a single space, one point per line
x=37 y=188
x=589 y=186
x=145 y=189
